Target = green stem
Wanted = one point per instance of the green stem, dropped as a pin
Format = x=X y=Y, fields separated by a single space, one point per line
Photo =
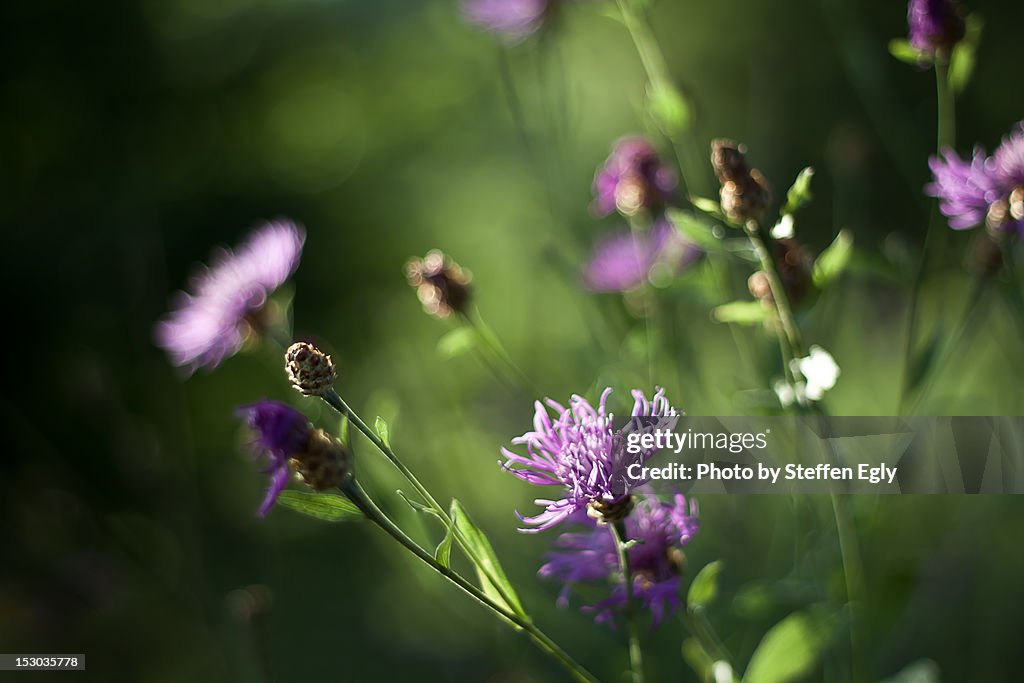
x=853 y=573
x=497 y=351
x=636 y=658
x=338 y=403
x=946 y=106
x=354 y=492
x=789 y=340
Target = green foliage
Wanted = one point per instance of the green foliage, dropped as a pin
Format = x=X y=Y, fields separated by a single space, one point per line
x=741 y=313
x=380 y=426
x=704 y=588
x=329 y=507
x=699 y=660
x=901 y=49
x=799 y=193
x=443 y=554
x=457 y=342
x=492 y=577
x=789 y=650
x=698 y=231
x=964 y=56
x=833 y=261
x=669 y=109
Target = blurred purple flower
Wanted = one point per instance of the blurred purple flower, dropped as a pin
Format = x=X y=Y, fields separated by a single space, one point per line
x=965 y=190
x=934 y=24
x=280 y=431
x=514 y=20
x=632 y=178
x=580 y=451
x=985 y=189
x=624 y=260
x=210 y=324
x=659 y=529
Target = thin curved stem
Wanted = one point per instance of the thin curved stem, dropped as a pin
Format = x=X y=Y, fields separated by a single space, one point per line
x=636 y=657
x=354 y=492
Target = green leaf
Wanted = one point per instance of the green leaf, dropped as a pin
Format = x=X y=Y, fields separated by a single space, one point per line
x=833 y=261
x=418 y=507
x=381 y=427
x=922 y=362
x=326 y=506
x=699 y=660
x=443 y=554
x=741 y=312
x=457 y=342
x=901 y=49
x=921 y=671
x=694 y=229
x=788 y=651
x=964 y=56
x=704 y=587
x=709 y=206
x=669 y=108
x=486 y=562
x=800 y=193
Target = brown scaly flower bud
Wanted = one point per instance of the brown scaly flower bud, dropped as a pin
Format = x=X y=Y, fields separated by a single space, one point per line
x=310 y=370
x=605 y=512
x=745 y=193
x=441 y=284
x=795 y=268
x=323 y=463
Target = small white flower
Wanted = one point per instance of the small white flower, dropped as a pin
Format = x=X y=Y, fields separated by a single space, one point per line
x=789 y=394
x=784 y=229
x=821 y=372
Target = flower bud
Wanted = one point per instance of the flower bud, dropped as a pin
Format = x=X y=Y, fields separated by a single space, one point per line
x=794 y=265
x=323 y=463
x=745 y=193
x=310 y=370
x=609 y=512
x=441 y=284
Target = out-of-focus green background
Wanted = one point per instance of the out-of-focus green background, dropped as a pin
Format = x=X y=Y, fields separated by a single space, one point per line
x=139 y=135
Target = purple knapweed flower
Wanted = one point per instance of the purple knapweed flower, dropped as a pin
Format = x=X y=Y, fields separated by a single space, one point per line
x=934 y=25
x=579 y=450
x=624 y=260
x=633 y=178
x=279 y=432
x=985 y=189
x=211 y=323
x=659 y=531
x=514 y=20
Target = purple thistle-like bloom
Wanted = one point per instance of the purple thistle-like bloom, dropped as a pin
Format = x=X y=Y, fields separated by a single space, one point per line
x=986 y=189
x=934 y=24
x=624 y=260
x=965 y=189
x=579 y=450
x=659 y=529
x=514 y=20
x=632 y=178
x=209 y=325
x=280 y=431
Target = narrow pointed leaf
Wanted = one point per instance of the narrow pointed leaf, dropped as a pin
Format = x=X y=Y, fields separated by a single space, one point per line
x=741 y=312
x=695 y=229
x=381 y=427
x=964 y=56
x=788 y=651
x=443 y=554
x=800 y=193
x=704 y=587
x=833 y=261
x=488 y=562
x=326 y=506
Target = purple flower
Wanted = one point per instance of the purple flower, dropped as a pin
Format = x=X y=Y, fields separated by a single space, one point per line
x=514 y=20
x=659 y=529
x=934 y=24
x=579 y=450
x=624 y=260
x=632 y=178
x=280 y=432
x=965 y=190
x=986 y=189
x=210 y=324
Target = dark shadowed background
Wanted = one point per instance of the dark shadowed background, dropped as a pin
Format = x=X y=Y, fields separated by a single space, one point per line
x=137 y=136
